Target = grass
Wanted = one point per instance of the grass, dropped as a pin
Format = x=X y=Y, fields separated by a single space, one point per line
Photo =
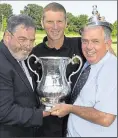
x=40 y=36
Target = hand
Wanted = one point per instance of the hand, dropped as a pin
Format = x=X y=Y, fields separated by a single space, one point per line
x=45 y=113
x=61 y=110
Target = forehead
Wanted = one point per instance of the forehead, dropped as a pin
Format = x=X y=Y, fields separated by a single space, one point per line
x=93 y=32
x=22 y=30
x=54 y=15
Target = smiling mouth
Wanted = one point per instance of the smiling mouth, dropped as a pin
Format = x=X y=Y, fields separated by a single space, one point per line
x=26 y=51
x=90 y=54
x=55 y=32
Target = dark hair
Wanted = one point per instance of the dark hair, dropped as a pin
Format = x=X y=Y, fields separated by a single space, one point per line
x=54 y=7
x=17 y=20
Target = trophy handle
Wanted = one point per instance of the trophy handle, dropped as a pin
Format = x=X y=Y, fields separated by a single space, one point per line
x=37 y=60
x=74 y=72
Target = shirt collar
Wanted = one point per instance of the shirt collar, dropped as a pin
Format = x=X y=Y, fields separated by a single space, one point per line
x=107 y=55
x=65 y=43
x=97 y=65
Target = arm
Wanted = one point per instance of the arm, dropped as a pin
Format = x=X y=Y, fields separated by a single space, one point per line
x=12 y=113
x=87 y=113
x=104 y=109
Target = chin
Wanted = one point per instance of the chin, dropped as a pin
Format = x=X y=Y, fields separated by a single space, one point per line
x=91 y=61
x=55 y=38
x=22 y=58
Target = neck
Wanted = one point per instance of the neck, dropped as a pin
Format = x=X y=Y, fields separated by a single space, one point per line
x=57 y=44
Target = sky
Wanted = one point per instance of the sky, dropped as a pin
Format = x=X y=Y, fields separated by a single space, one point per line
x=108 y=9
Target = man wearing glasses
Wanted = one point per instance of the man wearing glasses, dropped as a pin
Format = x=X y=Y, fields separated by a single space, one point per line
x=19 y=112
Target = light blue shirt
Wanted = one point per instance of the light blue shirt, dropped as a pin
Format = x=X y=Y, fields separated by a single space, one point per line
x=99 y=92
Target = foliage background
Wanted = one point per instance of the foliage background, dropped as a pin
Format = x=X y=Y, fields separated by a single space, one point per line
x=35 y=11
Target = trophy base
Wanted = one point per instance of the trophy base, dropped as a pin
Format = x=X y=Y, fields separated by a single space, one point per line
x=47 y=108
x=48 y=103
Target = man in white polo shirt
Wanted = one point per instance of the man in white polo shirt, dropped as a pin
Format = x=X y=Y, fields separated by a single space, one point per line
x=94 y=110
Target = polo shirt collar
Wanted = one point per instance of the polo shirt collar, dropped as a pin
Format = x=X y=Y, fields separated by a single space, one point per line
x=65 y=43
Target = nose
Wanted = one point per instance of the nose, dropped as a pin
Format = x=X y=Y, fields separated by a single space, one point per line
x=55 y=25
x=29 y=44
x=90 y=45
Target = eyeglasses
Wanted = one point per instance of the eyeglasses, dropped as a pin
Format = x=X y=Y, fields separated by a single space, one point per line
x=22 y=41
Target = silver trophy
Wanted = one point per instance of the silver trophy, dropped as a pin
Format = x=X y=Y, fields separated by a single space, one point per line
x=53 y=85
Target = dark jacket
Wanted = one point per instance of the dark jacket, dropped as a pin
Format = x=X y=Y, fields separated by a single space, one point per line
x=19 y=112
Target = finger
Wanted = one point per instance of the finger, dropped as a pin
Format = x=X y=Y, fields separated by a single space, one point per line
x=55 y=113
x=46 y=113
x=55 y=108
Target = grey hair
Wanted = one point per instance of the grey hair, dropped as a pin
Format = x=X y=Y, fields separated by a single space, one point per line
x=16 y=20
x=107 y=31
x=54 y=7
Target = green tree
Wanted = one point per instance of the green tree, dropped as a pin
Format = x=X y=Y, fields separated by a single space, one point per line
x=114 y=29
x=5 y=11
x=82 y=20
x=34 y=11
x=76 y=22
x=4 y=23
x=71 y=19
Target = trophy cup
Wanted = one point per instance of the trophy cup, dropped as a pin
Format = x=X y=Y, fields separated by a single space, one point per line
x=53 y=85
x=96 y=20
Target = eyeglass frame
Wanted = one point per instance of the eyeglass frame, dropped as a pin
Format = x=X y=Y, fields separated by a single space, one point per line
x=18 y=39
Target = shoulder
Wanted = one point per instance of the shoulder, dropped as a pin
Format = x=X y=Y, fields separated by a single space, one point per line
x=109 y=70
x=74 y=39
x=111 y=64
x=74 y=42
x=5 y=66
x=37 y=48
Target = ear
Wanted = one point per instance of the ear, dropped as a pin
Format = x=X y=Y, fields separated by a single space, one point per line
x=108 y=44
x=7 y=36
x=109 y=48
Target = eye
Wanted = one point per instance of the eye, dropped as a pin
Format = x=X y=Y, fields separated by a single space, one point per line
x=84 y=41
x=95 y=41
x=50 y=22
x=22 y=40
x=59 y=21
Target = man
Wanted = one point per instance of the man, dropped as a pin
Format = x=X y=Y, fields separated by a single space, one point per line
x=54 y=21
x=94 y=111
x=19 y=112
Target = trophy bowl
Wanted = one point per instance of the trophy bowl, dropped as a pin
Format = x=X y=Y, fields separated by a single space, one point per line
x=53 y=87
